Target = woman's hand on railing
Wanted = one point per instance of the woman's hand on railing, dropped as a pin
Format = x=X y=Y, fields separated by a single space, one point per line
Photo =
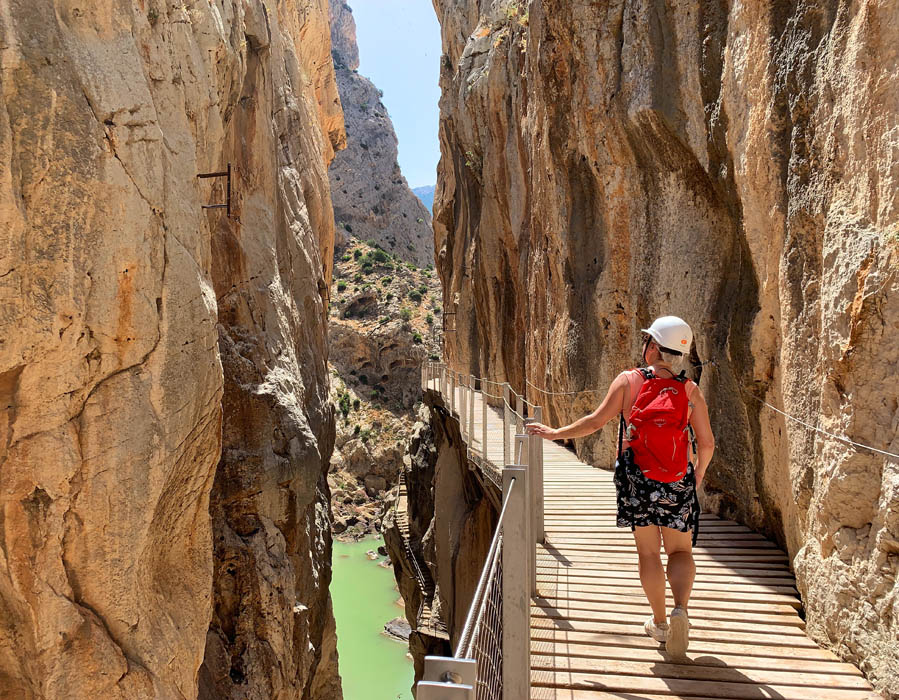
x=540 y=430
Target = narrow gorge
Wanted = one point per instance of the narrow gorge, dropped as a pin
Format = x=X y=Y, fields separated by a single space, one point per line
x=734 y=164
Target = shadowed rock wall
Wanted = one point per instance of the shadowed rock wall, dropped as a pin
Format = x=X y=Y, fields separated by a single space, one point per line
x=120 y=302
x=735 y=164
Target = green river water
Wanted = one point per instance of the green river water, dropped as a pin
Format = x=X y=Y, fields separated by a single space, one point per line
x=372 y=666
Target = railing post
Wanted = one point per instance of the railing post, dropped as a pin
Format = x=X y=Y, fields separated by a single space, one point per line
x=507 y=396
x=516 y=599
x=447 y=678
x=519 y=410
x=523 y=456
x=470 y=412
x=463 y=405
x=452 y=390
x=537 y=482
x=484 y=422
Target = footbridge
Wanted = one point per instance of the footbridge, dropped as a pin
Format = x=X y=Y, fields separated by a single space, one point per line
x=558 y=612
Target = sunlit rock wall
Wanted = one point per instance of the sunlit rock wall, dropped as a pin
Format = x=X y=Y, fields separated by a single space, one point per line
x=732 y=163
x=120 y=302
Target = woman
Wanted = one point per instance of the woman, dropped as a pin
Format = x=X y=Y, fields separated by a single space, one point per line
x=662 y=510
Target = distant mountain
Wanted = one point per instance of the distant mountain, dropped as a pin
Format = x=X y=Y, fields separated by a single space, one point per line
x=426 y=195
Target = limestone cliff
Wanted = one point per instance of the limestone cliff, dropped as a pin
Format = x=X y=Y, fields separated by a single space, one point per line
x=372 y=200
x=732 y=163
x=122 y=302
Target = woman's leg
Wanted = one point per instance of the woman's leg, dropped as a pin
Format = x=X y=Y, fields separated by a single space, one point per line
x=681 y=568
x=652 y=575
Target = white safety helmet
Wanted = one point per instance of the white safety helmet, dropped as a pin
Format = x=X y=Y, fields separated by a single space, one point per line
x=671 y=333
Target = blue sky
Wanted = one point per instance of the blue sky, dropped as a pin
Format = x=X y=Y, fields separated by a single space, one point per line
x=399 y=50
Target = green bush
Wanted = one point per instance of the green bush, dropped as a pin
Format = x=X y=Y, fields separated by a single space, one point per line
x=356 y=429
x=367 y=265
x=357 y=254
x=386 y=280
x=359 y=277
x=344 y=404
x=429 y=319
x=437 y=310
x=423 y=289
x=406 y=313
x=380 y=256
x=356 y=404
x=346 y=257
x=365 y=435
x=415 y=296
x=417 y=339
x=341 y=285
x=389 y=296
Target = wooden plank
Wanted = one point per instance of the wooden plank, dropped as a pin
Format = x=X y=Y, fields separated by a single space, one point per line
x=690 y=688
x=690 y=671
x=732 y=621
x=717 y=634
x=707 y=568
x=700 y=606
x=697 y=646
x=716 y=658
x=576 y=592
x=630 y=574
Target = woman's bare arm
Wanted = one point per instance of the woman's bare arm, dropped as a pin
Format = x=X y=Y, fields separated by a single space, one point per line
x=705 y=441
x=608 y=409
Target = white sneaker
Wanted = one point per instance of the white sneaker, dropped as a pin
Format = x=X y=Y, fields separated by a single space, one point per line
x=678 y=633
x=659 y=632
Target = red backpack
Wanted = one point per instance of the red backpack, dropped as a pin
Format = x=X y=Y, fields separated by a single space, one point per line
x=657 y=428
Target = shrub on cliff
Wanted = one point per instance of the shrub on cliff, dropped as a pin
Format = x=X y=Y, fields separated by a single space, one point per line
x=341 y=285
x=415 y=296
x=406 y=313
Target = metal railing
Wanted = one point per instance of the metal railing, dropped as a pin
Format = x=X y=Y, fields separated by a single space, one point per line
x=492 y=657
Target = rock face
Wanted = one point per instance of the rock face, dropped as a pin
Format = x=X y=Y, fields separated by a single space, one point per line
x=372 y=200
x=122 y=302
x=735 y=164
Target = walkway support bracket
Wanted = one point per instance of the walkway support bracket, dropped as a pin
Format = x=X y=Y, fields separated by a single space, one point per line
x=447 y=678
x=226 y=174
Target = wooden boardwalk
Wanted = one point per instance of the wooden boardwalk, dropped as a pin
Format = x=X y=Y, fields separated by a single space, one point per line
x=747 y=639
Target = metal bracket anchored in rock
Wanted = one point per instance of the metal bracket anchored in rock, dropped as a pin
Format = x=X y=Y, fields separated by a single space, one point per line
x=227 y=204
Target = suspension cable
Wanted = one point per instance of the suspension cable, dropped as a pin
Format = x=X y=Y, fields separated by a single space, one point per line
x=826 y=433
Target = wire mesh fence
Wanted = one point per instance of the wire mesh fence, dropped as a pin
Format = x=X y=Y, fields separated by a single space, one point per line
x=487 y=638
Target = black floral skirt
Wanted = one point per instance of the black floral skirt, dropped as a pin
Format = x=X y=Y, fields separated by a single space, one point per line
x=643 y=501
